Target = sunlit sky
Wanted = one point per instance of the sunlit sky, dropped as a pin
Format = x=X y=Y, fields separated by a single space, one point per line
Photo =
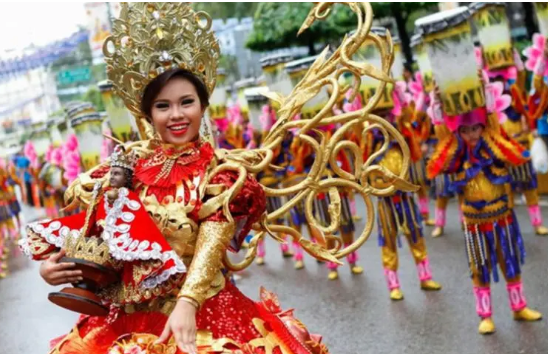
x=23 y=24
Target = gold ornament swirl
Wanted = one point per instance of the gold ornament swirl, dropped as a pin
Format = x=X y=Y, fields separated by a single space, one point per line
x=327 y=71
x=150 y=38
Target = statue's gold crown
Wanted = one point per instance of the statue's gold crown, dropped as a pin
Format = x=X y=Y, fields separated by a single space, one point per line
x=121 y=158
x=91 y=249
x=151 y=38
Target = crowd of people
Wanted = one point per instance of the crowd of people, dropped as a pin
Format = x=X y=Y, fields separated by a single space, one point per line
x=197 y=185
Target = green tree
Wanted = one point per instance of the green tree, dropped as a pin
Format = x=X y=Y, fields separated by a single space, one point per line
x=80 y=56
x=93 y=95
x=276 y=25
x=402 y=12
x=230 y=65
x=225 y=10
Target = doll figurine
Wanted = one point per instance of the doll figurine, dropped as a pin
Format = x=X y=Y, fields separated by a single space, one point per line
x=123 y=257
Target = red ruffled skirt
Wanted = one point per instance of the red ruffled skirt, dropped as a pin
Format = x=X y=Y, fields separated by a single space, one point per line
x=227 y=323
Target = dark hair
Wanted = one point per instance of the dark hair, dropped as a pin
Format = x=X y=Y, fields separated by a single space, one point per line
x=129 y=178
x=154 y=87
x=408 y=66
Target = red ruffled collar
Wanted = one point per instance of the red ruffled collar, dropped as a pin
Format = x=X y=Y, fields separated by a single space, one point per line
x=170 y=165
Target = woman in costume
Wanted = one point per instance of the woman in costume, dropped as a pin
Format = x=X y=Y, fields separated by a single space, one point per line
x=479 y=153
x=205 y=201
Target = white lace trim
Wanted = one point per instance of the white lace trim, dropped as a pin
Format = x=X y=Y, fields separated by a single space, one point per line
x=123 y=247
x=48 y=234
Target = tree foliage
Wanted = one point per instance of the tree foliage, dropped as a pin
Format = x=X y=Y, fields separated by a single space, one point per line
x=225 y=10
x=276 y=25
x=93 y=95
x=386 y=9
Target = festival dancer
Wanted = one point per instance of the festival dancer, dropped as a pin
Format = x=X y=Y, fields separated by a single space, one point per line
x=206 y=201
x=492 y=234
x=428 y=134
x=273 y=179
x=399 y=213
x=516 y=120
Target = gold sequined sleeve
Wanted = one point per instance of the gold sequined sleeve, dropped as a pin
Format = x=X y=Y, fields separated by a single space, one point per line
x=213 y=240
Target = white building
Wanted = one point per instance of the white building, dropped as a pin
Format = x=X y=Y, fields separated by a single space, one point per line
x=27 y=98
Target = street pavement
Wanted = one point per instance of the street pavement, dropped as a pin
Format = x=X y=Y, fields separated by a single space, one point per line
x=354 y=314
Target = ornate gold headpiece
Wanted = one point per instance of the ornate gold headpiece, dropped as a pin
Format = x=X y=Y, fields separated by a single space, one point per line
x=151 y=38
x=121 y=158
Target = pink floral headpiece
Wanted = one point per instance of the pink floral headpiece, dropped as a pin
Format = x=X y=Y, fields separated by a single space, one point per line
x=401 y=97
x=234 y=115
x=30 y=153
x=496 y=101
x=267 y=118
x=352 y=106
x=71 y=158
x=535 y=52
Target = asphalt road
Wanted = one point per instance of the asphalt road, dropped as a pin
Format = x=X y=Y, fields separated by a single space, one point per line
x=354 y=314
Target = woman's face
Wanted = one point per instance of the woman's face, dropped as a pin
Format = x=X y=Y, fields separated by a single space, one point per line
x=177 y=112
x=471 y=134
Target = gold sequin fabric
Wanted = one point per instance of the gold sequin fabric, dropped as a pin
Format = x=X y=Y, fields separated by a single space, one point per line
x=213 y=241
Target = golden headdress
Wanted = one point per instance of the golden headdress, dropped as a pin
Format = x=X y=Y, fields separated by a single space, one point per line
x=151 y=38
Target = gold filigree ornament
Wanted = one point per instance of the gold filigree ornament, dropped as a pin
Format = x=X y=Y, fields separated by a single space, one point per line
x=151 y=38
x=327 y=71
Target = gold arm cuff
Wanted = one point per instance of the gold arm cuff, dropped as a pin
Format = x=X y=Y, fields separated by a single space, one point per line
x=213 y=240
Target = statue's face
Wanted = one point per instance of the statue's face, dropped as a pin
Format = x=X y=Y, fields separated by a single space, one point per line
x=117 y=177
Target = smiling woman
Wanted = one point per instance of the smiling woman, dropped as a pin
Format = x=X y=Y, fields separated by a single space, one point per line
x=175 y=103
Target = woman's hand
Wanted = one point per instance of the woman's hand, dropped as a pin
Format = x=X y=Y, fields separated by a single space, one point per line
x=182 y=324
x=56 y=273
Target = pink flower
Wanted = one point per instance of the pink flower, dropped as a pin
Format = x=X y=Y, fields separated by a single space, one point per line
x=352 y=106
x=535 y=52
x=496 y=101
x=416 y=86
x=71 y=158
x=479 y=56
x=222 y=124
x=234 y=115
x=57 y=156
x=401 y=98
x=30 y=153
x=48 y=153
x=267 y=118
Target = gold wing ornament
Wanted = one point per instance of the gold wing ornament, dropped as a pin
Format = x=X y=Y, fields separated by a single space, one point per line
x=149 y=38
x=327 y=71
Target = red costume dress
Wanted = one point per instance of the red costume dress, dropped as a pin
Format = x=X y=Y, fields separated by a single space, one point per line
x=183 y=198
